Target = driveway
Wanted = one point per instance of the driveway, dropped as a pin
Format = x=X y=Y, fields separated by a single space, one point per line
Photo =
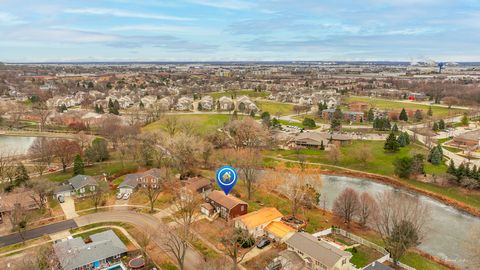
x=68 y=208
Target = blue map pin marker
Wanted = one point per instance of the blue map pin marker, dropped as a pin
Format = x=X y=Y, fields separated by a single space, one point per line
x=226 y=178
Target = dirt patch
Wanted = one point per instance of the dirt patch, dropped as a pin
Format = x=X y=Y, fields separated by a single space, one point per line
x=262 y=260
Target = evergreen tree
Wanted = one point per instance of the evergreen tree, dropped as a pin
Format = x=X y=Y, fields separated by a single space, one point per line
x=265 y=116
x=441 y=124
x=464 y=120
x=403 y=166
x=451 y=168
x=97 y=109
x=460 y=172
x=418 y=116
x=100 y=109
x=402 y=141
x=252 y=113
x=21 y=174
x=403 y=115
x=322 y=147
x=407 y=137
x=275 y=122
x=391 y=144
x=395 y=127
x=430 y=112
x=141 y=105
x=309 y=122
x=335 y=124
x=418 y=165
x=435 y=156
x=370 y=115
x=435 y=126
x=440 y=149
x=78 y=166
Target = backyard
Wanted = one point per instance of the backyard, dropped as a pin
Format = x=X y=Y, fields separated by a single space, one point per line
x=204 y=123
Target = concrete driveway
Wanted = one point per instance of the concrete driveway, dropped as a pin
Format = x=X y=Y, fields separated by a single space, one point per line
x=68 y=208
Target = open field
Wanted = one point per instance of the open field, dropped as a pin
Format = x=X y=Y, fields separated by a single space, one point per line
x=110 y=168
x=205 y=123
x=397 y=105
x=275 y=108
x=238 y=93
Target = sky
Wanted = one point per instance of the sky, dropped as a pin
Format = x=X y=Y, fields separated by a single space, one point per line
x=239 y=30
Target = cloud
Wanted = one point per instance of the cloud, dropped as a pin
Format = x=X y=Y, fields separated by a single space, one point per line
x=124 y=13
x=9 y=19
x=155 y=28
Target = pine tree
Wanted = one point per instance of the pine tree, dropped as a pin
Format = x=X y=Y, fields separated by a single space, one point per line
x=440 y=149
x=395 y=127
x=141 y=105
x=407 y=137
x=78 y=166
x=21 y=174
x=370 y=115
x=252 y=113
x=435 y=156
x=441 y=124
x=403 y=115
x=435 y=126
x=402 y=141
x=430 y=112
x=418 y=116
x=391 y=144
x=322 y=147
x=464 y=120
x=451 y=168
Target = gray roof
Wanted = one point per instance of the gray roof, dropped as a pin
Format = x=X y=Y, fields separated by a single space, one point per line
x=321 y=136
x=471 y=135
x=377 y=266
x=74 y=252
x=130 y=180
x=294 y=260
x=318 y=250
x=79 y=181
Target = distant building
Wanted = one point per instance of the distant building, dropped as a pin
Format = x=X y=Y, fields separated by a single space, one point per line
x=226 y=104
x=316 y=139
x=354 y=117
x=206 y=103
x=469 y=139
x=184 y=104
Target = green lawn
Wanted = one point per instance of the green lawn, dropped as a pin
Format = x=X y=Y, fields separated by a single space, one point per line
x=289 y=123
x=397 y=105
x=238 y=93
x=97 y=169
x=205 y=123
x=275 y=108
x=381 y=162
x=362 y=256
x=418 y=262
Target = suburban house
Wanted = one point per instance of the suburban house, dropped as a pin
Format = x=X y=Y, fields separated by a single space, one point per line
x=255 y=222
x=206 y=103
x=199 y=185
x=279 y=231
x=23 y=199
x=318 y=254
x=104 y=251
x=79 y=185
x=244 y=104
x=315 y=139
x=184 y=104
x=354 y=117
x=225 y=104
x=131 y=181
x=469 y=139
x=227 y=206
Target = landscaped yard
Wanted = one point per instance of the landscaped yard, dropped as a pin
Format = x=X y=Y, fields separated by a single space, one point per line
x=204 y=123
x=397 y=105
x=275 y=108
x=363 y=255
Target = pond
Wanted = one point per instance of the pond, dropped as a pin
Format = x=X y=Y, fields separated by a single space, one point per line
x=15 y=145
x=447 y=228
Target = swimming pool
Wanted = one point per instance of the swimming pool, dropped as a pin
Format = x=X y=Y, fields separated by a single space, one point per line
x=119 y=266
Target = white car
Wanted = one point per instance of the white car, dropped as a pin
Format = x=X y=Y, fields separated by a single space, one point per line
x=126 y=196
x=119 y=196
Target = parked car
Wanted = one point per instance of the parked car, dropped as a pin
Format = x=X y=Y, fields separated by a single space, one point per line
x=61 y=199
x=263 y=243
x=126 y=196
x=119 y=196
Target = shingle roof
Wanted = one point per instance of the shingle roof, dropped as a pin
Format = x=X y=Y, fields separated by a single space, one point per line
x=279 y=229
x=130 y=180
x=74 y=252
x=81 y=180
x=196 y=183
x=259 y=217
x=227 y=201
x=319 y=250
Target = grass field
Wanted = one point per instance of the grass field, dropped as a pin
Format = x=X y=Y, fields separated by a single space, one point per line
x=381 y=162
x=397 y=105
x=205 y=123
x=275 y=108
x=109 y=168
x=238 y=93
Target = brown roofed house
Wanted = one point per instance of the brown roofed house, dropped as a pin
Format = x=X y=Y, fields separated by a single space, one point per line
x=255 y=222
x=227 y=206
x=24 y=199
x=199 y=185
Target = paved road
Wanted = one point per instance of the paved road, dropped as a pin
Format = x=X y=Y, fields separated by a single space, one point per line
x=38 y=232
x=193 y=259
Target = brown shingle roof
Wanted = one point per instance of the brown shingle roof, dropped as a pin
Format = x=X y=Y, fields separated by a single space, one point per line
x=227 y=201
x=196 y=183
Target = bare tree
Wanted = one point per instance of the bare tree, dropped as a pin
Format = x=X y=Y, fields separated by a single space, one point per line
x=367 y=206
x=186 y=151
x=19 y=219
x=249 y=162
x=171 y=125
x=98 y=195
x=237 y=243
x=363 y=154
x=186 y=205
x=346 y=205
x=41 y=152
x=152 y=191
x=400 y=219
x=41 y=188
x=334 y=154
x=247 y=133
x=43 y=112
x=65 y=150
x=144 y=238
x=450 y=101
x=176 y=244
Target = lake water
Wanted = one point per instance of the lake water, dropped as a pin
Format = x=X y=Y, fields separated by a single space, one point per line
x=16 y=145
x=448 y=229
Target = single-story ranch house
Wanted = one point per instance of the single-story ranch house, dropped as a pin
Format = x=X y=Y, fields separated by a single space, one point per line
x=79 y=185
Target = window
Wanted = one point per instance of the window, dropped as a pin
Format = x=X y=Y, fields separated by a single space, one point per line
x=92 y=188
x=82 y=190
